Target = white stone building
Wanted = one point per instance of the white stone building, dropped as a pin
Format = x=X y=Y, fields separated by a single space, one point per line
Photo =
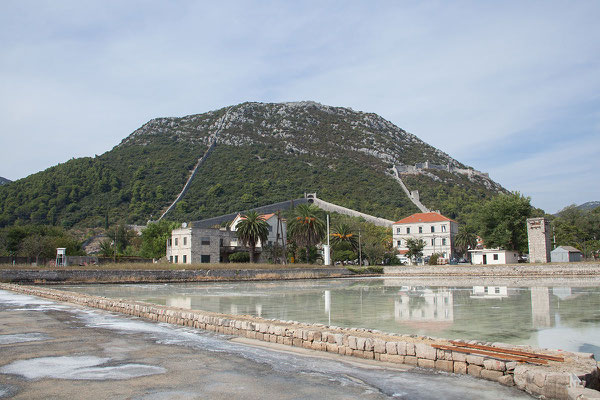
x=193 y=245
x=494 y=256
x=436 y=230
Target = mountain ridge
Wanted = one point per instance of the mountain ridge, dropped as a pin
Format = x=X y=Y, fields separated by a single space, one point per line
x=264 y=152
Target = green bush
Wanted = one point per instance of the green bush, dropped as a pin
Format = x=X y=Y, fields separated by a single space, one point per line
x=240 y=257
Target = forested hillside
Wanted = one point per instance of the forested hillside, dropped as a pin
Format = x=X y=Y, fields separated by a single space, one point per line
x=264 y=153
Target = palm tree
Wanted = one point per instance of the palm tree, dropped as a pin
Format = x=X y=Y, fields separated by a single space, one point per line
x=251 y=229
x=306 y=227
x=342 y=233
x=465 y=239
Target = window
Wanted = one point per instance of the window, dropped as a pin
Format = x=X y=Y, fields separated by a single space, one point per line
x=205 y=241
x=399 y=243
x=270 y=228
x=432 y=228
x=420 y=229
x=169 y=242
x=270 y=243
x=433 y=242
x=170 y=259
x=496 y=257
x=175 y=244
x=443 y=228
x=185 y=242
x=443 y=241
x=176 y=258
x=184 y=256
x=497 y=290
x=407 y=230
x=204 y=258
x=398 y=231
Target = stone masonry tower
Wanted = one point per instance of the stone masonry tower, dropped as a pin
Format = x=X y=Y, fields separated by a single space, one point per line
x=538 y=233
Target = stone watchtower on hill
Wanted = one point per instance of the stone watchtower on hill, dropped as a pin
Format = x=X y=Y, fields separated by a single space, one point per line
x=538 y=234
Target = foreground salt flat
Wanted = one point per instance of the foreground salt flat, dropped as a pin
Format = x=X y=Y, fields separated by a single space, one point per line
x=50 y=349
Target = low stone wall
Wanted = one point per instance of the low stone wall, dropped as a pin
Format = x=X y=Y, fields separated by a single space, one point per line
x=151 y=276
x=517 y=270
x=576 y=378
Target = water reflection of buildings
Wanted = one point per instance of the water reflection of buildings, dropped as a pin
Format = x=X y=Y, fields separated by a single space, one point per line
x=489 y=292
x=540 y=308
x=425 y=308
x=180 y=302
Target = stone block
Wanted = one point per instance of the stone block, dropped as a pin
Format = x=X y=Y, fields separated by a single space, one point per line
x=316 y=345
x=338 y=339
x=369 y=344
x=352 y=342
x=425 y=363
x=349 y=351
x=392 y=358
x=401 y=348
x=510 y=366
x=476 y=360
x=332 y=348
x=444 y=365
x=410 y=349
x=368 y=355
x=360 y=343
x=491 y=375
x=330 y=338
x=342 y=350
x=288 y=341
x=317 y=336
x=297 y=342
x=494 y=365
x=273 y=338
x=306 y=344
x=391 y=348
x=506 y=380
x=379 y=346
x=411 y=360
x=425 y=351
x=460 y=367
x=581 y=393
x=474 y=370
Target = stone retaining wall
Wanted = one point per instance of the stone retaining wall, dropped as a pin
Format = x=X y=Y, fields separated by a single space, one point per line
x=516 y=270
x=576 y=378
x=150 y=276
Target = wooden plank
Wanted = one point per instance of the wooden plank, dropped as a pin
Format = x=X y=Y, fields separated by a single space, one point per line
x=500 y=356
x=509 y=351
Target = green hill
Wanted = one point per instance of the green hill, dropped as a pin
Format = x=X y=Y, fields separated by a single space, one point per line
x=264 y=153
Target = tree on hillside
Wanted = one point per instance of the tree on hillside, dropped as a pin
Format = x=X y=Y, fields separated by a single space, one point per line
x=252 y=229
x=36 y=245
x=503 y=221
x=154 y=239
x=577 y=228
x=306 y=228
x=415 y=248
x=465 y=239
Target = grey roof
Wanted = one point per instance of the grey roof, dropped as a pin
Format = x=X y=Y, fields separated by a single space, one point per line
x=570 y=249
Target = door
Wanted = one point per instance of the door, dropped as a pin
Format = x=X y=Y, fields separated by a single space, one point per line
x=485 y=258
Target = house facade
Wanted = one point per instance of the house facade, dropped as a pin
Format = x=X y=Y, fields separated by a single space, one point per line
x=565 y=254
x=436 y=230
x=494 y=256
x=194 y=245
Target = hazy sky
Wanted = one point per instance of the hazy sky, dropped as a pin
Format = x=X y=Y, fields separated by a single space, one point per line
x=511 y=88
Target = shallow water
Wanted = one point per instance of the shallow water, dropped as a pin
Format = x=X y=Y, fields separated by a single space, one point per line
x=566 y=318
x=237 y=361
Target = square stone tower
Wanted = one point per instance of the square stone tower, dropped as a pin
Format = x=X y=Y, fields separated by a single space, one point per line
x=538 y=233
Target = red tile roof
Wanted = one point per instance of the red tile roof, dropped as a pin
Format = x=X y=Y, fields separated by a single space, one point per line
x=424 y=217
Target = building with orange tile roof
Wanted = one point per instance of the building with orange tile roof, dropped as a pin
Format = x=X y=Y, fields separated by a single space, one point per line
x=436 y=230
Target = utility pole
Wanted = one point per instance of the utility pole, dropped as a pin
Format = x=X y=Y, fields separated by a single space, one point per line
x=359 y=249
x=115 y=246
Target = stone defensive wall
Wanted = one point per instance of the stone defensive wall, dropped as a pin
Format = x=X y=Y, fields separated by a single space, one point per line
x=51 y=276
x=576 y=377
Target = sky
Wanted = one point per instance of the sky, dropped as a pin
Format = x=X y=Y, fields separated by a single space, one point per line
x=511 y=88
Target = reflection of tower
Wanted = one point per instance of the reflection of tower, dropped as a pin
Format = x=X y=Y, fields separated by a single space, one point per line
x=258 y=308
x=540 y=307
x=538 y=234
x=425 y=307
x=180 y=302
x=328 y=304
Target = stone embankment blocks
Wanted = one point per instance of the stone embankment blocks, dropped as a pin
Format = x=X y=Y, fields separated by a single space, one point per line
x=576 y=378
